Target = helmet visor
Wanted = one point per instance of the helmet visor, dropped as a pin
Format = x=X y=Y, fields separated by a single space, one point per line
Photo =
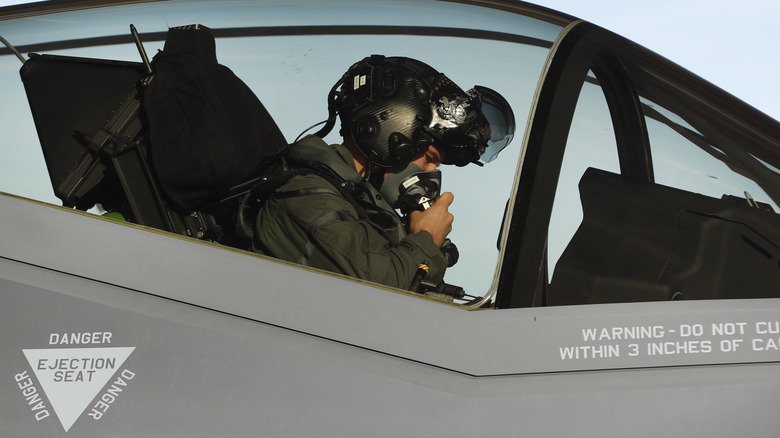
x=500 y=119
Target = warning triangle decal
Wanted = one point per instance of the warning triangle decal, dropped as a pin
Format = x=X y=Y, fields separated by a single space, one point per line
x=72 y=377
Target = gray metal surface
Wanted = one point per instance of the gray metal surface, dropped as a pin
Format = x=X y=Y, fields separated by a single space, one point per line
x=234 y=344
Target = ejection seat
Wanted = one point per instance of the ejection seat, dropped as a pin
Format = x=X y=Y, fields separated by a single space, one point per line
x=153 y=142
x=640 y=241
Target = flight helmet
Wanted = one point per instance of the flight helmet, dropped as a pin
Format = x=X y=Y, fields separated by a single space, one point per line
x=395 y=107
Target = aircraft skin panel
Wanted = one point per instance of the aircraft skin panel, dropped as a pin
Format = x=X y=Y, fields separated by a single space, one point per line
x=198 y=372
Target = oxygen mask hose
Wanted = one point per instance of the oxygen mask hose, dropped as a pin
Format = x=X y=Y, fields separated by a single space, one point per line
x=450 y=252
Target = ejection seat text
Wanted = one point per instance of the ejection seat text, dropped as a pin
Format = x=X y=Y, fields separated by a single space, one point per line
x=80 y=338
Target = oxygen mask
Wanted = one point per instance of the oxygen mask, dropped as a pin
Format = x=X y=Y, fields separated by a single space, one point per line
x=409 y=188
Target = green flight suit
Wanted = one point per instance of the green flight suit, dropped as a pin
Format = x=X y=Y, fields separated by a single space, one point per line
x=308 y=221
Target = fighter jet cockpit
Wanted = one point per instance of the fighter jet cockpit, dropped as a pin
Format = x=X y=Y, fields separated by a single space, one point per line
x=615 y=266
x=626 y=181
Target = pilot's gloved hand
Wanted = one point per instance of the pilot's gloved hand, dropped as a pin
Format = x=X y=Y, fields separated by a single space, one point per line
x=436 y=220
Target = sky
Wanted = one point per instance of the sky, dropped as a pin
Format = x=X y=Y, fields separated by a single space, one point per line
x=731 y=44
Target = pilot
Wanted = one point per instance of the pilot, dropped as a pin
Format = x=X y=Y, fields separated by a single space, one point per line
x=400 y=119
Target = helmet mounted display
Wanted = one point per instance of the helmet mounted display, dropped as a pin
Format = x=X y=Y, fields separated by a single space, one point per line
x=393 y=108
